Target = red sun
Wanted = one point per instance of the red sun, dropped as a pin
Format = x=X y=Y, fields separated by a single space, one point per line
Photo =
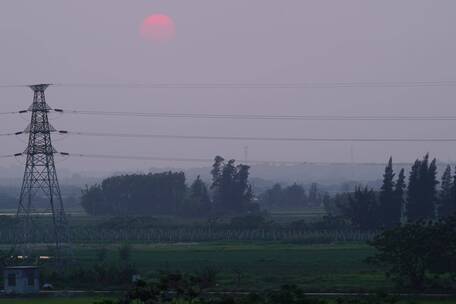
x=158 y=28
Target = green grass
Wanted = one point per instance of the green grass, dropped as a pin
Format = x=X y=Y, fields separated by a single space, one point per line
x=337 y=267
x=263 y=265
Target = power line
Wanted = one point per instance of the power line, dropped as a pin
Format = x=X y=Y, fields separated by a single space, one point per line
x=107 y=156
x=247 y=85
x=174 y=159
x=14 y=112
x=6 y=86
x=8 y=156
x=263 y=116
x=156 y=158
x=255 y=138
x=253 y=116
x=205 y=160
x=242 y=138
x=11 y=134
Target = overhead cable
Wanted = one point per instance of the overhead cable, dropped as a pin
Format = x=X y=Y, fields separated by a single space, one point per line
x=255 y=138
x=173 y=159
x=271 y=85
x=264 y=116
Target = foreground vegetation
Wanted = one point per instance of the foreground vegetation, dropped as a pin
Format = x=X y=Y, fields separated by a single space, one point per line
x=328 y=300
x=178 y=288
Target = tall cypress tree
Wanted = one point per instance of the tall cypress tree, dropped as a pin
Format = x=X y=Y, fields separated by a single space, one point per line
x=446 y=193
x=216 y=171
x=399 y=193
x=387 y=203
x=422 y=193
x=413 y=189
x=432 y=195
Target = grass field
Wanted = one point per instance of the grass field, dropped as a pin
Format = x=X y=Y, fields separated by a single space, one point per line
x=338 y=267
x=261 y=265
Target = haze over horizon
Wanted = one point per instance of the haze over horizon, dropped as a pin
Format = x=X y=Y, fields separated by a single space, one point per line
x=241 y=42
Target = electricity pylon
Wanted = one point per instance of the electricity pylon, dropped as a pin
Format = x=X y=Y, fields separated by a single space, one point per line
x=40 y=177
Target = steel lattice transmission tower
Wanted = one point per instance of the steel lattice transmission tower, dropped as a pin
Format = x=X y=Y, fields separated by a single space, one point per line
x=40 y=176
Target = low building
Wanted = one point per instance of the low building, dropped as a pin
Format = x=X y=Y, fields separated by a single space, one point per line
x=21 y=280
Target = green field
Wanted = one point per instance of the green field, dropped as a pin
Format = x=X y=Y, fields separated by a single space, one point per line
x=317 y=268
x=261 y=265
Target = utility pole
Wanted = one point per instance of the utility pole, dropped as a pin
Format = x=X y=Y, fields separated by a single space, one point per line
x=40 y=178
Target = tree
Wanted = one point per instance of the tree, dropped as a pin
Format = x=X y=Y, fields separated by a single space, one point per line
x=362 y=209
x=294 y=196
x=137 y=194
x=94 y=202
x=422 y=193
x=399 y=196
x=447 y=205
x=389 y=209
x=232 y=191
x=216 y=171
x=313 y=194
x=414 y=253
x=198 y=202
x=272 y=198
x=334 y=205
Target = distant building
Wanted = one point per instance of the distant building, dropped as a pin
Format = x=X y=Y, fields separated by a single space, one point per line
x=21 y=279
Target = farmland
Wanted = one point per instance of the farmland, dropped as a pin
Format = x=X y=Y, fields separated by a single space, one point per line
x=255 y=265
x=240 y=258
x=315 y=267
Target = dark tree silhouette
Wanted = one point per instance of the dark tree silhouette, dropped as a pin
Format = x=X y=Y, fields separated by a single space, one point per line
x=362 y=209
x=232 y=192
x=93 y=201
x=313 y=194
x=422 y=193
x=150 y=194
x=399 y=196
x=389 y=210
x=447 y=196
x=198 y=202
x=415 y=252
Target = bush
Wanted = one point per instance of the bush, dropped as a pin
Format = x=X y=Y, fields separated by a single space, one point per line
x=416 y=252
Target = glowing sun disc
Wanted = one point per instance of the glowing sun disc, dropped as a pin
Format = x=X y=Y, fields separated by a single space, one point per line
x=158 y=28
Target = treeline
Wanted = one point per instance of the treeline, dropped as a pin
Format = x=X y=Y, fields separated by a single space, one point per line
x=399 y=200
x=292 y=197
x=167 y=193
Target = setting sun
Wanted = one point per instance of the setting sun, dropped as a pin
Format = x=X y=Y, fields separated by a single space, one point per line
x=158 y=28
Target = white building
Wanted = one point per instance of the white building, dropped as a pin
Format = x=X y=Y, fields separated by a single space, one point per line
x=21 y=279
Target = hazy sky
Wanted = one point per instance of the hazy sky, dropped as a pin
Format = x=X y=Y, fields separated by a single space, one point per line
x=263 y=41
